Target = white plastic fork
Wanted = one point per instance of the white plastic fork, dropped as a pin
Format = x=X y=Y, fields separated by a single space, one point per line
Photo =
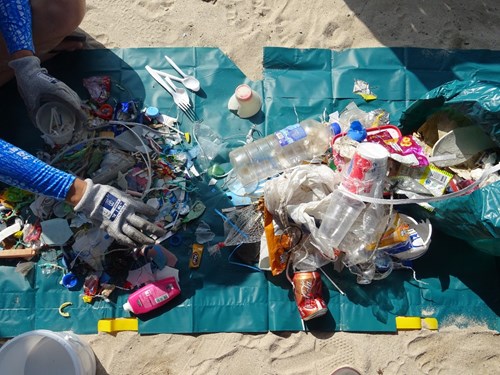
x=180 y=96
x=179 y=90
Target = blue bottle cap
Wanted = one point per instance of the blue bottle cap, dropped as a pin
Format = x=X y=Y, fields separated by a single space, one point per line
x=336 y=129
x=69 y=280
x=152 y=112
x=357 y=131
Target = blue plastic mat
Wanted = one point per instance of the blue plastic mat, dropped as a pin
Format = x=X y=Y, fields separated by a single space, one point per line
x=459 y=285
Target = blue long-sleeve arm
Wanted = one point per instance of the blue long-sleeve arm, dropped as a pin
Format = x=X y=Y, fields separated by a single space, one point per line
x=17 y=167
x=23 y=170
x=15 y=25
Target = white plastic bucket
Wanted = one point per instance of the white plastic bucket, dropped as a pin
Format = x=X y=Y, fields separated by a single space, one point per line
x=44 y=352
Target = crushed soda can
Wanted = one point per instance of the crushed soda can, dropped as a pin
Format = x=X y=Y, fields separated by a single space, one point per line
x=307 y=287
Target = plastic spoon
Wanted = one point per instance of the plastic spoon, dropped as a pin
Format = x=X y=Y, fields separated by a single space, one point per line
x=189 y=81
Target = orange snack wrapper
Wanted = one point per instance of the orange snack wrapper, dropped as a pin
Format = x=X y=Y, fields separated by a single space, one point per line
x=278 y=245
x=195 y=259
x=396 y=233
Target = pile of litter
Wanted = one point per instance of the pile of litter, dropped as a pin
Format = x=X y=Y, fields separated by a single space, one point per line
x=325 y=191
x=128 y=145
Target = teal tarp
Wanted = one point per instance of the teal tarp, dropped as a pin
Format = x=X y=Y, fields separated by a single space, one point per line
x=459 y=284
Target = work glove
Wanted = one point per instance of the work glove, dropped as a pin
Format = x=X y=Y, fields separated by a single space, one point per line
x=118 y=214
x=37 y=87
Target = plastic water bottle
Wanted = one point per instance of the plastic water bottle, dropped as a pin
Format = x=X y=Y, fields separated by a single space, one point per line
x=281 y=150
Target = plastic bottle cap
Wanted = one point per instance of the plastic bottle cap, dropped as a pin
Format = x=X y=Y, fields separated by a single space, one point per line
x=127 y=307
x=336 y=129
x=152 y=111
x=357 y=131
x=69 y=280
x=243 y=92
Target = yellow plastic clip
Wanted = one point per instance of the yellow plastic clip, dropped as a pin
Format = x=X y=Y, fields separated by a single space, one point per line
x=430 y=323
x=415 y=322
x=62 y=307
x=117 y=325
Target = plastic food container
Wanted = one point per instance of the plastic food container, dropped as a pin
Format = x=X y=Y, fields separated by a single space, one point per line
x=56 y=121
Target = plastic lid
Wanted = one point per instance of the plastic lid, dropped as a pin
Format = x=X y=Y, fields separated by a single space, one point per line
x=243 y=92
x=127 y=307
x=152 y=111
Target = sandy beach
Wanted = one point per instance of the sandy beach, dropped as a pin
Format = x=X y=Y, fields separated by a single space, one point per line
x=241 y=28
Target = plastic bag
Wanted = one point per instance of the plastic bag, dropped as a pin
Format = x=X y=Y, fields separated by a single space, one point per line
x=474 y=218
x=210 y=143
x=296 y=201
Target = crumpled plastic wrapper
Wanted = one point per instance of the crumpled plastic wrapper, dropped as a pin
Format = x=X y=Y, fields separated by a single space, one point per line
x=297 y=199
x=362 y=88
x=300 y=195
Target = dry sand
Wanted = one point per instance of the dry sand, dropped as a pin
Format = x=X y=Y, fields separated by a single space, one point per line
x=449 y=351
x=241 y=28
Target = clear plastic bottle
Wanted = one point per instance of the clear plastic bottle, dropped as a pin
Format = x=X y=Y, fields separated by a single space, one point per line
x=281 y=150
x=350 y=114
x=364 y=232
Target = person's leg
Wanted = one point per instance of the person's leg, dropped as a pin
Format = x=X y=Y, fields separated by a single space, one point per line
x=53 y=20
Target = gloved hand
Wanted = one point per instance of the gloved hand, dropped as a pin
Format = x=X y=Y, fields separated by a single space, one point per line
x=36 y=87
x=118 y=214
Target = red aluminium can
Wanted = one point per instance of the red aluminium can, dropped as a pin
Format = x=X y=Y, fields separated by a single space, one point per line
x=307 y=287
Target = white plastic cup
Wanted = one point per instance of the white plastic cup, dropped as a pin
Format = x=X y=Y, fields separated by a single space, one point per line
x=44 y=352
x=245 y=101
x=56 y=121
x=338 y=219
x=366 y=172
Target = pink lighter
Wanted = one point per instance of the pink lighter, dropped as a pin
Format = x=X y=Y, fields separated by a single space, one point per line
x=152 y=296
